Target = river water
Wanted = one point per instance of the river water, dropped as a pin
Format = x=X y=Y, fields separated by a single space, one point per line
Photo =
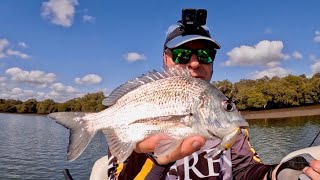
x=34 y=147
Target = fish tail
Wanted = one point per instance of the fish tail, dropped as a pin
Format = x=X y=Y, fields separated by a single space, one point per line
x=81 y=131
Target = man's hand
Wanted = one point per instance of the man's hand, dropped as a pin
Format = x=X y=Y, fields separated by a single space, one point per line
x=314 y=170
x=186 y=148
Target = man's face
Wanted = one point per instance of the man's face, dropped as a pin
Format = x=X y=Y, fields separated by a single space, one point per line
x=203 y=71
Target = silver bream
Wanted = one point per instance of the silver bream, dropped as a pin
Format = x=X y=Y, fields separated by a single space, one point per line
x=170 y=102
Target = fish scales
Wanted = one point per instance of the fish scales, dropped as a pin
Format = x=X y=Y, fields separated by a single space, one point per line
x=167 y=98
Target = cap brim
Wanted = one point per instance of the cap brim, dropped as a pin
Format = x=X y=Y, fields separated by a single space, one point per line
x=178 y=41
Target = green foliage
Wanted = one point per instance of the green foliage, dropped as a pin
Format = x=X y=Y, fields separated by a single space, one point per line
x=30 y=106
x=88 y=103
x=225 y=86
x=266 y=93
x=8 y=108
x=46 y=106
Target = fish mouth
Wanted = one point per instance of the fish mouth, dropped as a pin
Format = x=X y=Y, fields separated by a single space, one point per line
x=243 y=123
x=221 y=132
x=217 y=133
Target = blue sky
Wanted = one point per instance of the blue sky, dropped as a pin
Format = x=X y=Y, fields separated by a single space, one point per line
x=61 y=49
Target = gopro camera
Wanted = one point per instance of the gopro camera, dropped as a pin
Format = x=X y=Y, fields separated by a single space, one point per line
x=194 y=17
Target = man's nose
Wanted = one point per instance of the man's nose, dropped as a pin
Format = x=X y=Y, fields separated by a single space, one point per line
x=194 y=62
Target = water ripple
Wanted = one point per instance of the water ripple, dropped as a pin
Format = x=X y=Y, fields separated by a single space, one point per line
x=275 y=138
x=34 y=147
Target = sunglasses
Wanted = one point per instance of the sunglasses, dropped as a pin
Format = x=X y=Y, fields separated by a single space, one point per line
x=183 y=56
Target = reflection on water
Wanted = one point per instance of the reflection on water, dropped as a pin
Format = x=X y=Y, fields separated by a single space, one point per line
x=34 y=147
x=275 y=138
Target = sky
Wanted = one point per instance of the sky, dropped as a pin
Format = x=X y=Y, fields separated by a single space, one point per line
x=62 y=49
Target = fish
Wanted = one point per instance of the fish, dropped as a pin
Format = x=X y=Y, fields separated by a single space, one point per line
x=169 y=102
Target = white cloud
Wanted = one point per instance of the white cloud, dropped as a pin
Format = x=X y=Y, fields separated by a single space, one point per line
x=89 y=79
x=276 y=71
x=273 y=64
x=5 y=51
x=265 y=53
x=57 y=97
x=2 y=79
x=133 y=56
x=2 y=86
x=90 y=19
x=4 y=43
x=268 y=31
x=56 y=91
x=317 y=36
x=313 y=57
x=60 y=88
x=23 y=44
x=59 y=12
x=60 y=96
x=17 y=53
x=21 y=94
x=315 y=68
x=297 y=55
x=62 y=93
x=34 y=77
x=105 y=91
x=286 y=56
x=16 y=91
x=25 y=94
x=54 y=94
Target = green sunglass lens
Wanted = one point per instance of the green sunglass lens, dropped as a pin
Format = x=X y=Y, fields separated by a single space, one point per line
x=181 y=56
x=206 y=56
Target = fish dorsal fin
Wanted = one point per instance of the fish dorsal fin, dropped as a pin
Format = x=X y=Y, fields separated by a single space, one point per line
x=142 y=80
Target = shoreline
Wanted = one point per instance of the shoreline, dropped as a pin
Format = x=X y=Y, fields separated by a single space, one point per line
x=312 y=110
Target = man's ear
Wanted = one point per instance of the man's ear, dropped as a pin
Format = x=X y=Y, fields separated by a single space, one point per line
x=165 y=58
x=212 y=69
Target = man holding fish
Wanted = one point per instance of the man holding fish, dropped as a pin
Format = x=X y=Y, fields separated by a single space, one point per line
x=187 y=161
x=174 y=124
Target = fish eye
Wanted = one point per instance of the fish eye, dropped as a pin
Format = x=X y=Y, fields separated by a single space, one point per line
x=228 y=105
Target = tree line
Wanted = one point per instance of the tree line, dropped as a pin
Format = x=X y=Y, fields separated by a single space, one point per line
x=266 y=93
x=263 y=93
x=88 y=103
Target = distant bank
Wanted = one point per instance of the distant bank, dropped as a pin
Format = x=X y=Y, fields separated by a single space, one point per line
x=311 y=110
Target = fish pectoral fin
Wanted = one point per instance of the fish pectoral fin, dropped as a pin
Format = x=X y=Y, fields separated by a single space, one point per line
x=166 y=146
x=121 y=150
